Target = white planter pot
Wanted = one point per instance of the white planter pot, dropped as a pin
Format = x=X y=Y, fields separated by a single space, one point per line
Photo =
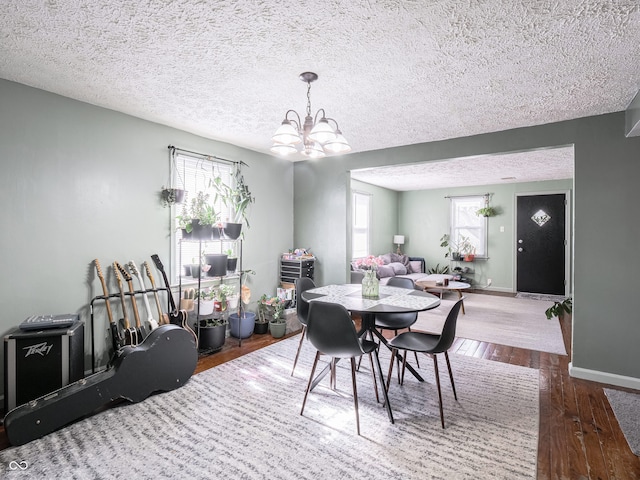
x=206 y=307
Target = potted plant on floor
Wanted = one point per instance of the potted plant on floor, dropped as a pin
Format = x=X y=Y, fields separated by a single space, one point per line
x=212 y=333
x=558 y=309
x=242 y=322
x=273 y=311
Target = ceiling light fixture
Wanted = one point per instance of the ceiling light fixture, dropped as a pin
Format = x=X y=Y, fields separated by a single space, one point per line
x=316 y=136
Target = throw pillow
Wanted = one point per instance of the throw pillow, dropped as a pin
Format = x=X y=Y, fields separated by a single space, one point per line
x=403 y=259
x=398 y=268
x=385 y=271
x=386 y=258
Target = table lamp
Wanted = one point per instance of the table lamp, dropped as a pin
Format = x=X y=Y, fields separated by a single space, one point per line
x=398 y=240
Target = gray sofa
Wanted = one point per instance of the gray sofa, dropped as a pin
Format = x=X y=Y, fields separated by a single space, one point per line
x=396 y=265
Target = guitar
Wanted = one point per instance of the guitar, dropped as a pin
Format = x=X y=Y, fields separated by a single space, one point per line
x=163 y=318
x=163 y=362
x=130 y=335
x=116 y=339
x=176 y=317
x=141 y=330
x=151 y=322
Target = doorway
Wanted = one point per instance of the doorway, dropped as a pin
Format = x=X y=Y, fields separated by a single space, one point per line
x=541 y=243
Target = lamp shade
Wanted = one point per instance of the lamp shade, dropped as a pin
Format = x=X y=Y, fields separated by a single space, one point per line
x=398 y=239
x=287 y=134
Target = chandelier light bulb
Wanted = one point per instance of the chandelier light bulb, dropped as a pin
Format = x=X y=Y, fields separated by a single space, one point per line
x=322 y=132
x=287 y=134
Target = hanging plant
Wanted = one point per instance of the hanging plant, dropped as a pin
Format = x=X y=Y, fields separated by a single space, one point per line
x=173 y=193
x=486 y=212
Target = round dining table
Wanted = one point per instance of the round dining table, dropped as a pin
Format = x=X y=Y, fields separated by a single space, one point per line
x=389 y=300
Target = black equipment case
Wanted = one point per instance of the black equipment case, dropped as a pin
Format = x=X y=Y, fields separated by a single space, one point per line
x=42 y=361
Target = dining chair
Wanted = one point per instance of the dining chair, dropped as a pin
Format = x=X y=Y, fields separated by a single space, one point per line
x=431 y=345
x=398 y=321
x=302 y=309
x=332 y=332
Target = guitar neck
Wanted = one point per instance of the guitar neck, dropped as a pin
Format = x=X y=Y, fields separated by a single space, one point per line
x=155 y=291
x=160 y=267
x=134 y=304
x=105 y=291
x=147 y=305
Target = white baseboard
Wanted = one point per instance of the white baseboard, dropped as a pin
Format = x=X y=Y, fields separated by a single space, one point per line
x=604 y=377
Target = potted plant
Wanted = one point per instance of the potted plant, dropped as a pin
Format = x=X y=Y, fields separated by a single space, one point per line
x=184 y=222
x=188 y=297
x=238 y=200
x=204 y=219
x=242 y=323
x=558 y=309
x=232 y=260
x=205 y=301
x=273 y=310
x=228 y=297
x=211 y=333
x=171 y=196
x=486 y=211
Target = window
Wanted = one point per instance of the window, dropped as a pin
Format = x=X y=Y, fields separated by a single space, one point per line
x=361 y=224
x=196 y=173
x=465 y=224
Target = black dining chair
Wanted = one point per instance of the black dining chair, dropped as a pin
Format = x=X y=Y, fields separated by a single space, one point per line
x=332 y=332
x=302 y=309
x=431 y=345
x=398 y=321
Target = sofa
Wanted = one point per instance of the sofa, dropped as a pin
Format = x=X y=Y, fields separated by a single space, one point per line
x=398 y=265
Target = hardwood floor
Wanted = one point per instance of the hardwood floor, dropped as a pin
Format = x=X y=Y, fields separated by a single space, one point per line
x=579 y=434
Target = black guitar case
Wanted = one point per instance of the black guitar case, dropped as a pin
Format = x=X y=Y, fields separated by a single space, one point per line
x=164 y=361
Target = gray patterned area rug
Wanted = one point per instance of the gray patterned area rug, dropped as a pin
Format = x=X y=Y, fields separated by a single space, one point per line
x=516 y=322
x=241 y=421
x=626 y=406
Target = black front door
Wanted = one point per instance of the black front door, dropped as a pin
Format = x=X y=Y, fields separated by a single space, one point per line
x=540 y=249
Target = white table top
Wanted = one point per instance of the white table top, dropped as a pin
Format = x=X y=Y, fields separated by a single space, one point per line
x=391 y=299
x=453 y=285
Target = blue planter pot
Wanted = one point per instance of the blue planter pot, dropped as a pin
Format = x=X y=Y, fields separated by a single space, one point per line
x=242 y=328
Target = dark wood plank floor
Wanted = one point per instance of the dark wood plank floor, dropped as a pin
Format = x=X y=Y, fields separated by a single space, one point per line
x=579 y=434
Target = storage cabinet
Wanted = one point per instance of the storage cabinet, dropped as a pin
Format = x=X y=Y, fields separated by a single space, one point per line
x=294 y=268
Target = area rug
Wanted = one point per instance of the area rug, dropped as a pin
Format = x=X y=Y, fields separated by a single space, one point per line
x=626 y=407
x=241 y=420
x=541 y=296
x=516 y=322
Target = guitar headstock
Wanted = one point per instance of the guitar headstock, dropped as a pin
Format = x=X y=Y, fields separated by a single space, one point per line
x=133 y=268
x=116 y=271
x=156 y=260
x=147 y=269
x=98 y=268
x=124 y=273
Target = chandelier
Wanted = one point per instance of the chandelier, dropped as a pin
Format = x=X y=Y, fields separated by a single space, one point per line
x=316 y=137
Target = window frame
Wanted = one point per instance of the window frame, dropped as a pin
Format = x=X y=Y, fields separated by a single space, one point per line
x=456 y=206
x=355 y=194
x=194 y=172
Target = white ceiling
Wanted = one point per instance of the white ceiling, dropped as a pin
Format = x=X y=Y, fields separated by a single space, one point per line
x=392 y=72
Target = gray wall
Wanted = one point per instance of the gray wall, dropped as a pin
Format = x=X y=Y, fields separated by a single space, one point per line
x=424 y=218
x=384 y=211
x=81 y=182
x=607 y=166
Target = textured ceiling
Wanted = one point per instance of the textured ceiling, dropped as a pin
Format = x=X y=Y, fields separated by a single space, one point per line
x=392 y=72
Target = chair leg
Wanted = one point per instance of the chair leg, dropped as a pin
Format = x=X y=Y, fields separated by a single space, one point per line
x=355 y=392
x=375 y=383
x=313 y=371
x=393 y=357
x=415 y=353
x=295 y=361
x=384 y=391
x=453 y=385
x=404 y=367
x=435 y=365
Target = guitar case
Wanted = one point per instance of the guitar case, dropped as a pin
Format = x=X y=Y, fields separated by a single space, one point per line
x=164 y=361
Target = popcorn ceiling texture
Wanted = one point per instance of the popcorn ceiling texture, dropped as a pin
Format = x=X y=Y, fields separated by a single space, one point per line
x=391 y=72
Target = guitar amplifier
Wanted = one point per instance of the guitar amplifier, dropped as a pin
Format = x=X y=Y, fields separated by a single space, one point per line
x=40 y=362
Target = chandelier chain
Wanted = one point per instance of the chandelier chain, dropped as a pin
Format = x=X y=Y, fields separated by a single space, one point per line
x=309 y=98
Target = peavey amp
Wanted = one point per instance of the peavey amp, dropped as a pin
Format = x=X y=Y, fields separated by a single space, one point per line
x=39 y=362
